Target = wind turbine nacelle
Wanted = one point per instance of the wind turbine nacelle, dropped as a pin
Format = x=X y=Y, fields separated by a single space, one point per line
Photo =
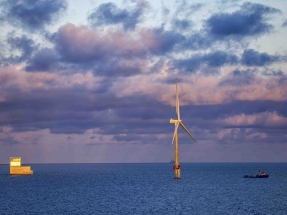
x=173 y=120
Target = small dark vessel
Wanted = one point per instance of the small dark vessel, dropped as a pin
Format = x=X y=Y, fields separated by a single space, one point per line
x=172 y=161
x=261 y=174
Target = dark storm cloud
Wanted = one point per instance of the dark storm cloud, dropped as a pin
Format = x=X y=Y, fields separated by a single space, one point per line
x=76 y=109
x=43 y=60
x=275 y=73
x=250 y=57
x=145 y=108
x=62 y=111
x=116 y=68
x=212 y=60
x=201 y=119
x=8 y=139
x=239 y=78
x=196 y=118
x=144 y=139
x=254 y=135
x=236 y=107
x=218 y=58
x=70 y=111
x=110 y=14
x=197 y=41
x=165 y=41
x=249 y=20
x=33 y=14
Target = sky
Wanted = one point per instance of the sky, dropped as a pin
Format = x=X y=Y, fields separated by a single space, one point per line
x=94 y=81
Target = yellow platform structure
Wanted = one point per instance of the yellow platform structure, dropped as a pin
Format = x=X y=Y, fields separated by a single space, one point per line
x=17 y=169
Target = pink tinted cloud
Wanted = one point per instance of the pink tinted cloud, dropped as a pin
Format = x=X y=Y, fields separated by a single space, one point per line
x=200 y=89
x=16 y=78
x=94 y=43
x=265 y=119
x=81 y=43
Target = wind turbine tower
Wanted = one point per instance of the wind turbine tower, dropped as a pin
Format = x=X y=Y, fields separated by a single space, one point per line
x=177 y=122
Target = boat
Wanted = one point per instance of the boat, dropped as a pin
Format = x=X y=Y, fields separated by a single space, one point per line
x=261 y=174
x=172 y=161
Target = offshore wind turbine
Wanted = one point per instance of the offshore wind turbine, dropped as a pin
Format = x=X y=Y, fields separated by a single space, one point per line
x=177 y=122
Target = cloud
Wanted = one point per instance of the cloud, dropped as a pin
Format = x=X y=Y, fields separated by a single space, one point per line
x=181 y=24
x=229 y=29
x=250 y=136
x=196 y=7
x=116 y=85
x=275 y=73
x=249 y=20
x=142 y=138
x=113 y=52
x=265 y=119
x=83 y=45
x=123 y=68
x=31 y=14
x=6 y=136
x=284 y=24
x=233 y=109
x=239 y=78
x=212 y=60
x=181 y=20
x=110 y=14
x=16 y=44
x=135 y=110
x=43 y=60
x=197 y=41
x=162 y=41
x=250 y=57
x=184 y=9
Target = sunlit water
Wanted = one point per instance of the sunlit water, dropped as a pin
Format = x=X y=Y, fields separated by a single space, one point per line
x=144 y=189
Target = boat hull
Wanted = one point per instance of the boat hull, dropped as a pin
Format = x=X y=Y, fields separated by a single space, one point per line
x=256 y=176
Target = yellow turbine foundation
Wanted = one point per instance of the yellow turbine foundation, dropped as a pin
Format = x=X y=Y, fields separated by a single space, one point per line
x=17 y=169
x=176 y=166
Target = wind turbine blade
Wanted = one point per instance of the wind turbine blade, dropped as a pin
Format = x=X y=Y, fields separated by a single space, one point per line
x=175 y=130
x=177 y=103
x=182 y=125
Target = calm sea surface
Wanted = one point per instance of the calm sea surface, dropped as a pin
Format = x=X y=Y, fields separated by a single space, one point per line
x=145 y=189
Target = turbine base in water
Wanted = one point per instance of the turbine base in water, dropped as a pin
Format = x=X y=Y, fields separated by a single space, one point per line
x=176 y=171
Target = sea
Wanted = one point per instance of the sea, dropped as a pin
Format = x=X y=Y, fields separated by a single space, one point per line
x=145 y=188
